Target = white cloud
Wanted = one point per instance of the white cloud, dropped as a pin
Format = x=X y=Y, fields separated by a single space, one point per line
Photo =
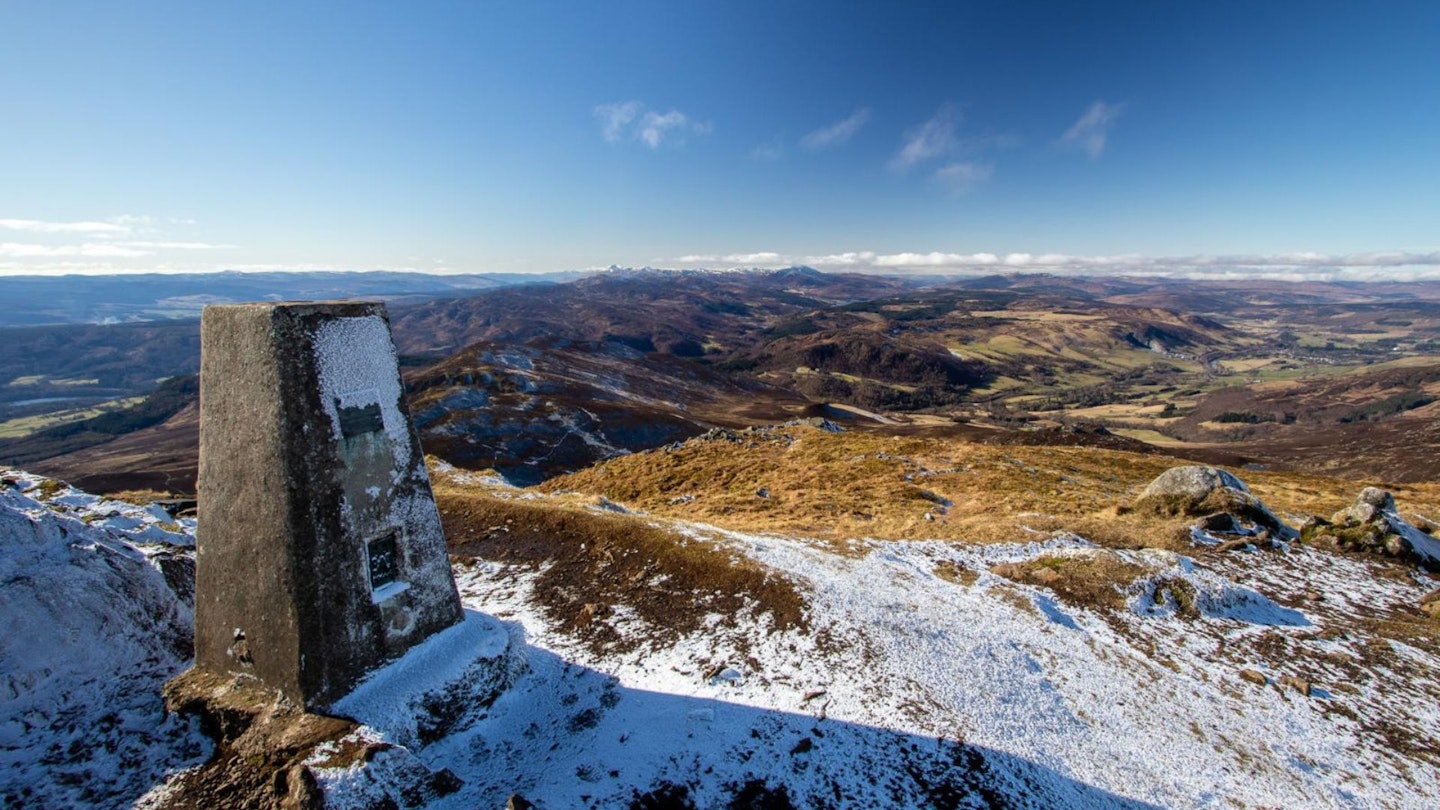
x=1089 y=133
x=959 y=178
x=614 y=118
x=761 y=259
x=631 y=119
x=838 y=132
x=932 y=139
x=175 y=245
x=113 y=239
x=38 y=226
x=1382 y=265
x=31 y=251
x=655 y=126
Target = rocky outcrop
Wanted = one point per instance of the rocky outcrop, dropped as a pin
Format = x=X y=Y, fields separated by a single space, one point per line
x=1373 y=525
x=1221 y=501
x=271 y=754
x=262 y=741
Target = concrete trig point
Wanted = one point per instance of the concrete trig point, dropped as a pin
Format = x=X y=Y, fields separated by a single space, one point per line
x=320 y=554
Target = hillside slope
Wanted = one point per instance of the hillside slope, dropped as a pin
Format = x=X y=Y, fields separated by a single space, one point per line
x=1037 y=669
x=668 y=662
x=97 y=597
x=547 y=406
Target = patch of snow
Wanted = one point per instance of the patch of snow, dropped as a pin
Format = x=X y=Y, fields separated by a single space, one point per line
x=1057 y=706
x=1423 y=544
x=905 y=688
x=355 y=362
x=1215 y=596
x=392 y=700
x=92 y=630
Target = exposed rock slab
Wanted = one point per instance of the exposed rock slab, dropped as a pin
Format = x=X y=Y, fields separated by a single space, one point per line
x=1373 y=525
x=1210 y=493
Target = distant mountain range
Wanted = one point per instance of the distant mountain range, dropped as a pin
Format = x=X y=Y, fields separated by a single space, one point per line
x=46 y=300
x=534 y=380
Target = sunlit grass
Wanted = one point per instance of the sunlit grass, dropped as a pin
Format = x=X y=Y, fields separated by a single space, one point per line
x=21 y=427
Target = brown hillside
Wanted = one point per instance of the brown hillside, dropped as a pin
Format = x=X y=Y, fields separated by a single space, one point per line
x=680 y=313
x=854 y=485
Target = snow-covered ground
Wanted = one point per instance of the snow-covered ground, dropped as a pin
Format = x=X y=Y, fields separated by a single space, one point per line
x=909 y=686
x=92 y=626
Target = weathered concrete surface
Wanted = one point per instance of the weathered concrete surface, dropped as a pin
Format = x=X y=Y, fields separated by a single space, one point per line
x=310 y=474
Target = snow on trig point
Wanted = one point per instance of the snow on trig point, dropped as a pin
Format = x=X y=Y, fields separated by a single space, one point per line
x=319 y=555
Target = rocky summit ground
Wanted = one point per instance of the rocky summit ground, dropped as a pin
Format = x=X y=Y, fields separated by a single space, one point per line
x=842 y=620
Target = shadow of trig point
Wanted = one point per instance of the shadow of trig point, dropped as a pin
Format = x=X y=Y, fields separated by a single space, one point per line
x=319 y=555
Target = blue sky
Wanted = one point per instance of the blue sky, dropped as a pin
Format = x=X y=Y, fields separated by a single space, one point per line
x=1286 y=139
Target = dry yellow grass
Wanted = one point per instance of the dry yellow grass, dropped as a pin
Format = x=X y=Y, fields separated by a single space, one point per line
x=141 y=496
x=857 y=485
x=1094 y=581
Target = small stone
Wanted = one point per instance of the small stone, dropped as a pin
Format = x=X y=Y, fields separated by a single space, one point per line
x=1045 y=576
x=1430 y=603
x=298 y=789
x=1007 y=570
x=518 y=802
x=1314 y=596
x=444 y=782
x=809 y=696
x=725 y=675
x=1298 y=684
x=1396 y=546
x=1253 y=676
x=803 y=746
x=591 y=612
x=1372 y=504
x=1378 y=498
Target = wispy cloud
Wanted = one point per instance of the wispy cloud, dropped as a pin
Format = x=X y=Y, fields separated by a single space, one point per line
x=22 y=250
x=656 y=125
x=145 y=221
x=174 y=245
x=932 y=139
x=1394 y=265
x=837 y=133
x=1090 y=132
x=624 y=120
x=55 y=244
x=961 y=177
x=614 y=118
x=770 y=151
x=40 y=226
x=762 y=259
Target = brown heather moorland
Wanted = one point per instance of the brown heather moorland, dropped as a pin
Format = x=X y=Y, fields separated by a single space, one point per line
x=854 y=485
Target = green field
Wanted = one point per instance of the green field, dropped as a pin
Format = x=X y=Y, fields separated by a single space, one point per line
x=26 y=425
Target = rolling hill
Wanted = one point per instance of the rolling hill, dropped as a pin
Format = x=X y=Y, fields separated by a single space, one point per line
x=537 y=380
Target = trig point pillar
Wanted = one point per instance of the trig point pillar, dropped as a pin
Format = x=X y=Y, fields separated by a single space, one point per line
x=319 y=555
